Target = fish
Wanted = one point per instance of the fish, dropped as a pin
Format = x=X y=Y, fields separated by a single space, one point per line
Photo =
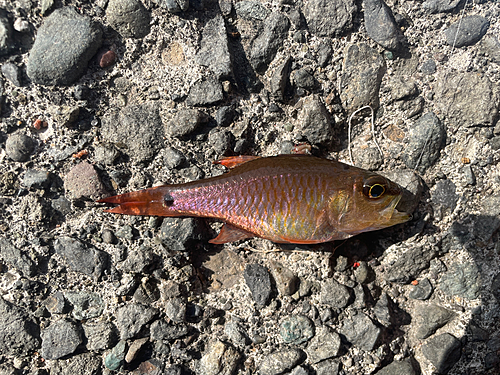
x=294 y=199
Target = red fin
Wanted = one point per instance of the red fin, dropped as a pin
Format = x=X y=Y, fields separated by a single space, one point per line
x=234 y=161
x=230 y=233
x=302 y=149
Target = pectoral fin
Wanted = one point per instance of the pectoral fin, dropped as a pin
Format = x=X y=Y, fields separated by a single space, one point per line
x=230 y=233
x=233 y=161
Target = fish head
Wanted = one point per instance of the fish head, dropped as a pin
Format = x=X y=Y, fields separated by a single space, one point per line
x=371 y=205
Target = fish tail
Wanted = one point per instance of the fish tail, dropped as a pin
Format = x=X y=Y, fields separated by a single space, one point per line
x=155 y=201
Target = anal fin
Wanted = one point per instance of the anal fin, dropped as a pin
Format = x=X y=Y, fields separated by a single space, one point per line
x=233 y=161
x=230 y=233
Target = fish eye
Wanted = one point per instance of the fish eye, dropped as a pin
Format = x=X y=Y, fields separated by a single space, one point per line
x=374 y=187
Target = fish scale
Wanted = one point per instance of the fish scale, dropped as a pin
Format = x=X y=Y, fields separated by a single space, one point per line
x=287 y=198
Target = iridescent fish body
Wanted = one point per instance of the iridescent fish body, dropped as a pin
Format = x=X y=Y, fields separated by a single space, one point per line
x=286 y=199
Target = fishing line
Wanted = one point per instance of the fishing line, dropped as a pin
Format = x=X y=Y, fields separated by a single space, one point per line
x=373 y=131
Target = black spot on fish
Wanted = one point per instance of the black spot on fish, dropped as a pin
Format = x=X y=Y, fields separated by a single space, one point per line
x=168 y=199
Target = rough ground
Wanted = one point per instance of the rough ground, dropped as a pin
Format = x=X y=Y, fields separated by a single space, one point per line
x=106 y=97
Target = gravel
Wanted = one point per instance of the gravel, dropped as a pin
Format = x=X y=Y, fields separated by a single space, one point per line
x=114 y=96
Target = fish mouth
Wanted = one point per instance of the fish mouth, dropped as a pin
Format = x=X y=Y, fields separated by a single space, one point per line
x=392 y=216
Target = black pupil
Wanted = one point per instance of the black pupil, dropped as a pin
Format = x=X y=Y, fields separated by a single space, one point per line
x=376 y=191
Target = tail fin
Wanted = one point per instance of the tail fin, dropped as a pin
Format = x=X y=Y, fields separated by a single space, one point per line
x=148 y=202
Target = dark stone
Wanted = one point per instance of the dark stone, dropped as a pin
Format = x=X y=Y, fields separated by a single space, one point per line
x=12 y=73
x=329 y=18
x=34 y=179
x=175 y=309
x=280 y=79
x=258 y=280
x=441 y=6
x=303 y=79
x=205 y=93
x=129 y=17
x=214 y=49
x=296 y=329
x=64 y=45
x=325 y=52
x=19 y=335
x=428 y=67
x=101 y=335
x=314 y=121
x=220 y=140
x=422 y=291
x=381 y=25
x=360 y=331
x=82 y=92
x=495 y=287
x=286 y=281
x=16 y=258
x=470 y=30
x=328 y=367
x=384 y=310
x=185 y=122
x=335 y=294
x=174 y=158
x=487 y=223
x=369 y=159
x=60 y=339
x=404 y=367
x=131 y=318
x=6 y=42
x=82 y=181
x=468 y=99
x=225 y=115
x=183 y=234
x=444 y=194
x=86 y=305
x=409 y=265
x=363 y=69
x=425 y=140
x=463 y=280
x=251 y=10
x=19 y=147
x=84 y=364
x=161 y=330
x=80 y=257
x=402 y=88
x=266 y=44
x=56 y=303
x=442 y=351
x=142 y=260
x=325 y=344
x=136 y=128
x=236 y=333
x=280 y=361
x=491 y=47
x=429 y=318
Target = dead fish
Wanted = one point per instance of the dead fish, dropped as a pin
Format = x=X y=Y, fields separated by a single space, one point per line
x=296 y=199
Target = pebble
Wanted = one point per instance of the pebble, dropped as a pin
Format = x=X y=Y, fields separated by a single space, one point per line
x=422 y=291
x=56 y=303
x=35 y=179
x=205 y=93
x=82 y=181
x=108 y=236
x=329 y=18
x=161 y=330
x=443 y=351
x=21 y=25
x=148 y=292
x=440 y=6
x=80 y=257
x=470 y=178
x=398 y=368
x=12 y=72
x=266 y=44
x=183 y=234
x=472 y=29
x=409 y=265
x=325 y=344
x=225 y=115
x=141 y=260
x=381 y=26
x=219 y=358
x=303 y=79
x=287 y=282
x=314 y=121
x=131 y=318
x=425 y=140
x=185 y=122
x=325 y=52
x=236 y=333
x=19 y=147
x=138 y=129
x=258 y=280
x=19 y=334
x=173 y=6
x=384 y=310
x=335 y=294
x=214 y=48
x=462 y=280
x=175 y=309
x=82 y=92
x=64 y=45
x=115 y=358
x=6 y=41
x=400 y=88
x=107 y=59
x=86 y=363
x=100 y=335
x=174 y=158
x=280 y=80
x=280 y=361
x=429 y=318
x=363 y=69
x=220 y=140
x=490 y=46
x=369 y=159
x=129 y=17
x=16 y=258
x=296 y=329
x=444 y=195
x=251 y=10
x=360 y=331
x=467 y=98
x=495 y=287
x=134 y=349
x=487 y=222
x=328 y=367
x=60 y=339
x=428 y=67
x=86 y=305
